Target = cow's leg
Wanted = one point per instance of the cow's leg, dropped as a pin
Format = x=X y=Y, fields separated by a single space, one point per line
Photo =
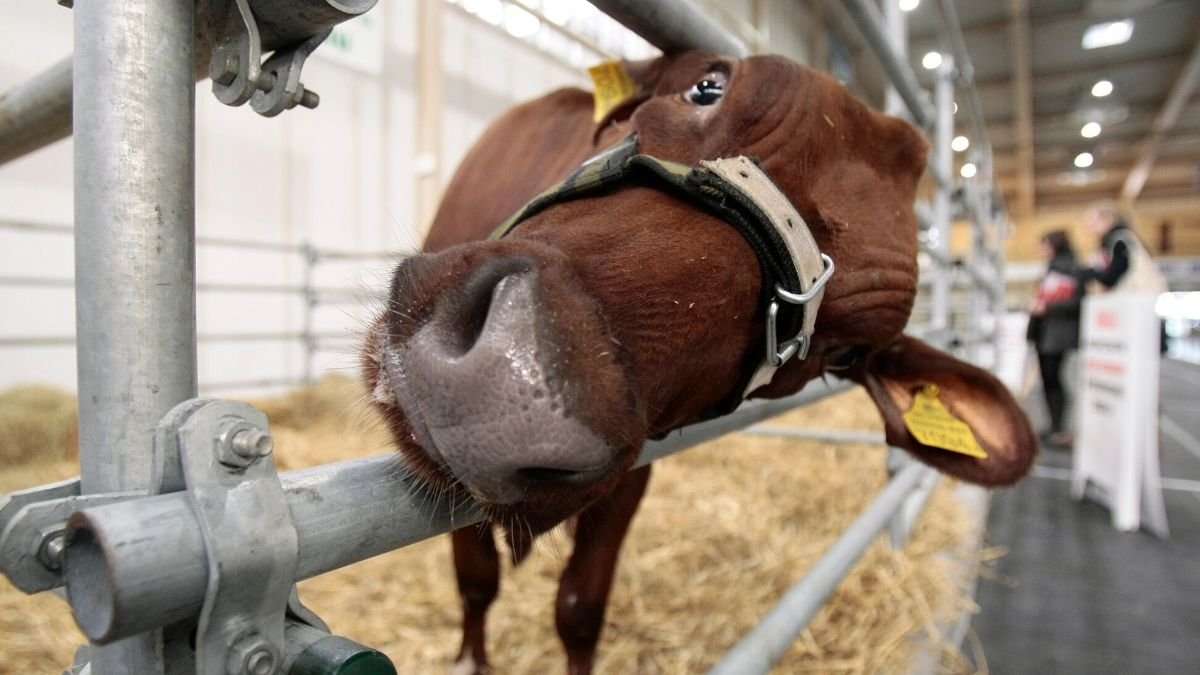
x=583 y=590
x=477 y=567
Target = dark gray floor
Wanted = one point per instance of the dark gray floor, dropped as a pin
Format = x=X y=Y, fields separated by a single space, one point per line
x=1075 y=596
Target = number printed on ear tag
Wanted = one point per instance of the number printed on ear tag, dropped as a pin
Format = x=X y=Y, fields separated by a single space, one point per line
x=932 y=424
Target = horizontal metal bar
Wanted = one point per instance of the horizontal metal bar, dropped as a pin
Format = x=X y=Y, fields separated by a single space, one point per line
x=37 y=282
x=29 y=226
x=749 y=413
x=329 y=254
x=343 y=513
x=36 y=113
x=251 y=384
x=8 y=342
x=69 y=340
x=833 y=435
x=673 y=25
x=764 y=645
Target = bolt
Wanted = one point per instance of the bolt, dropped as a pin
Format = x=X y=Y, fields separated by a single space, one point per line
x=261 y=662
x=266 y=80
x=251 y=655
x=241 y=444
x=230 y=65
x=51 y=550
x=310 y=99
x=252 y=444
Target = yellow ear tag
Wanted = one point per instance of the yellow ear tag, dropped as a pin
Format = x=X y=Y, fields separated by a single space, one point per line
x=613 y=86
x=933 y=425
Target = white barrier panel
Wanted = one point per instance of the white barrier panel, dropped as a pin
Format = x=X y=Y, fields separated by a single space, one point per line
x=1012 y=359
x=1116 y=448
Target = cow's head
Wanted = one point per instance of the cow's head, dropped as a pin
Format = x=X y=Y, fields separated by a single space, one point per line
x=531 y=370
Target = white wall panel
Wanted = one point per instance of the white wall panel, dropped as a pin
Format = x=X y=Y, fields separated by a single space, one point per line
x=341 y=176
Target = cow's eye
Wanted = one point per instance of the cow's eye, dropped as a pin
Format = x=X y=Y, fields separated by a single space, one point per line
x=708 y=90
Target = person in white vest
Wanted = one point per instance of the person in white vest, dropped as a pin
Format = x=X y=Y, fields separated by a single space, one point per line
x=1124 y=263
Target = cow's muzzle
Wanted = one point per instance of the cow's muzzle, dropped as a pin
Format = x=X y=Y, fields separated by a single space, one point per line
x=490 y=391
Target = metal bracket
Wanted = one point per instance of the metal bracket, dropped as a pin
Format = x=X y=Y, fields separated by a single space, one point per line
x=32 y=523
x=282 y=70
x=238 y=74
x=249 y=537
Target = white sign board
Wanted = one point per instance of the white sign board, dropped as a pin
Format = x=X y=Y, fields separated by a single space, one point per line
x=357 y=43
x=1116 y=446
x=1012 y=361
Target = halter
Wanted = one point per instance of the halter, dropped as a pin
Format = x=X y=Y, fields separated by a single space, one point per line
x=739 y=192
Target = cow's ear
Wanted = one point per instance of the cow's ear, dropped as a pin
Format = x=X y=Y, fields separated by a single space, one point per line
x=923 y=392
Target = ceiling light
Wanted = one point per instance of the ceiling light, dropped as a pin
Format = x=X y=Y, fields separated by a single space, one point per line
x=1090 y=130
x=1102 y=88
x=1084 y=159
x=967 y=170
x=1107 y=34
x=955 y=107
x=909 y=5
x=931 y=60
x=960 y=143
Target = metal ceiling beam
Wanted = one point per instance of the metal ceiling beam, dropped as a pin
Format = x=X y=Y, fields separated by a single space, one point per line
x=1181 y=91
x=1164 y=59
x=1044 y=20
x=1022 y=84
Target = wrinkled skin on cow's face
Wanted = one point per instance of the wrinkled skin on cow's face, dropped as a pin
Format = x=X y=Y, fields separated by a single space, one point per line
x=528 y=372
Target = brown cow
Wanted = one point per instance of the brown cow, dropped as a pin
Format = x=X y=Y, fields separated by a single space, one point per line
x=527 y=372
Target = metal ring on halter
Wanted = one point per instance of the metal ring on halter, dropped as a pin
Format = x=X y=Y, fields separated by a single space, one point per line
x=797 y=345
x=779 y=354
x=806 y=296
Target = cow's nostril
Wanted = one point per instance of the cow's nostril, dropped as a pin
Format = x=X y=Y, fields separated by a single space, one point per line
x=462 y=316
x=546 y=476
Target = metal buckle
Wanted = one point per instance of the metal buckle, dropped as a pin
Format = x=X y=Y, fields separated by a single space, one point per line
x=778 y=354
x=806 y=296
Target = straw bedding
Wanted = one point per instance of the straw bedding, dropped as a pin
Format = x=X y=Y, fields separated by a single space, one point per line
x=724 y=530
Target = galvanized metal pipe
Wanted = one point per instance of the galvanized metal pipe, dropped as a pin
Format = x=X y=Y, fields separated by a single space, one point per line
x=966 y=81
x=867 y=17
x=135 y=300
x=36 y=113
x=943 y=159
x=344 y=513
x=135 y=231
x=39 y=112
x=771 y=638
x=672 y=25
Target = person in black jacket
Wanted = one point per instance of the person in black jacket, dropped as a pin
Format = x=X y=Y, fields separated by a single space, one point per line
x=1054 y=328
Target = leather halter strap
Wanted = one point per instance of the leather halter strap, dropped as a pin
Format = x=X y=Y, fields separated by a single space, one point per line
x=739 y=192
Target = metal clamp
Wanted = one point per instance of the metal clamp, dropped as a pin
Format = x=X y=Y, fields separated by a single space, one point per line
x=238 y=74
x=32 y=523
x=778 y=354
x=249 y=538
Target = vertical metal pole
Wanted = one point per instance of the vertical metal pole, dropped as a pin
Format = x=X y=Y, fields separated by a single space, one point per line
x=310 y=307
x=896 y=26
x=939 y=234
x=135 y=304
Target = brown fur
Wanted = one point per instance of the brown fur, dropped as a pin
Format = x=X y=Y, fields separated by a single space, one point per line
x=660 y=303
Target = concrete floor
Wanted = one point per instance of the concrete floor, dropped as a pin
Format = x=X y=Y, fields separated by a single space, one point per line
x=1074 y=595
